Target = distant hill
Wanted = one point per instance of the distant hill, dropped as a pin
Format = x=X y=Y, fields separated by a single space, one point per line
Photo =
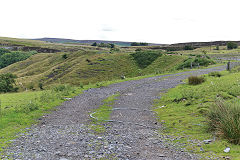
x=202 y=44
x=62 y=40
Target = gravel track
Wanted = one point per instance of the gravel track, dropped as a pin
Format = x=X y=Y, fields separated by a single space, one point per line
x=64 y=134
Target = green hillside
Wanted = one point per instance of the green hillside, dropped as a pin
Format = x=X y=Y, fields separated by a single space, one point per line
x=84 y=67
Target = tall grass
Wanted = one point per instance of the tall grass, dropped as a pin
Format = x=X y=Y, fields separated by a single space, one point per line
x=224 y=119
x=194 y=80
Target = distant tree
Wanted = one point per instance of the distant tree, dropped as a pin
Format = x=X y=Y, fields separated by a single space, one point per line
x=112 y=45
x=232 y=45
x=139 y=44
x=143 y=44
x=187 y=47
x=94 y=44
x=7 y=82
x=3 y=51
x=64 y=56
x=217 y=47
x=134 y=44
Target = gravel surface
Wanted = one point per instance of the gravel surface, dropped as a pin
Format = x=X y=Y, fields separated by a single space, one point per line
x=134 y=133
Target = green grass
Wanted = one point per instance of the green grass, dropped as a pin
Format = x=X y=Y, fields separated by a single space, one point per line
x=102 y=114
x=52 y=68
x=186 y=109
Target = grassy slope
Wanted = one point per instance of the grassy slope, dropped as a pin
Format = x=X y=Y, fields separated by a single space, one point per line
x=52 y=68
x=185 y=113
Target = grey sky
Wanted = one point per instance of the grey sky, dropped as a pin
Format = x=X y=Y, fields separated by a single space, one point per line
x=157 y=21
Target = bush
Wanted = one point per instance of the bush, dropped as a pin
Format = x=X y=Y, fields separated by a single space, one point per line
x=40 y=85
x=26 y=108
x=232 y=45
x=9 y=58
x=139 y=44
x=64 y=56
x=94 y=44
x=215 y=74
x=187 y=47
x=7 y=82
x=194 y=80
x=224 y=119
x=145 y=58
x=198 y=60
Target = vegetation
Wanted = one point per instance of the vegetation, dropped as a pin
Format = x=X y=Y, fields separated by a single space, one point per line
x=215 y=74
x=196 y=61
x=191 y=110
x=224 y=120
x=19 y=110
x=188 y=47
x=232 y=45
x=9 y=57
x=139 y=44
x=7 y=82
x=194 y=80
x=145 y=58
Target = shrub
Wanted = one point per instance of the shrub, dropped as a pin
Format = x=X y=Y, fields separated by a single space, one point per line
x=198 y=60
x=145 y=58
x=64 y=56
x=3 y=51
x=224 y=119
x=26 y=108
x=7 y=82
x=194 y=80
x=215 y=74
x=187 y=47
x=94 y=44
x=139 y=44
x=31 y=86
x=232 y=45
x=40 y=85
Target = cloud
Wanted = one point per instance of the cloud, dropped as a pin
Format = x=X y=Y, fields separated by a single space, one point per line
x=106 y=28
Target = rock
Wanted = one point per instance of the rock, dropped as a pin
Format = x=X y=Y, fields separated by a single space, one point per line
x=63 y=159
x=161 y=155
x=226 y=150
x=207 y=141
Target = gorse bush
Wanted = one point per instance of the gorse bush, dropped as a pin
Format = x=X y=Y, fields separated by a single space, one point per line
x=145 y=58
x=224 y=120
x=194 y=80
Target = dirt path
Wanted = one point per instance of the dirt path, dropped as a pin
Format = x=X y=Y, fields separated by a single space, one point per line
x=134 y=134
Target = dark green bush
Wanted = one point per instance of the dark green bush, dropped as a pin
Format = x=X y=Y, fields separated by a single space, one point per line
x=187 y=47
x=194 y=80
x=139 y=44
x=7 y=82
x=64 y=56
x=40 y=85
x=198 y=60
x=224 y=120
x=232 y=45
x=3 y=51
x=215 y=74
x=94 y=44
x=145 y=58
x=9 y=58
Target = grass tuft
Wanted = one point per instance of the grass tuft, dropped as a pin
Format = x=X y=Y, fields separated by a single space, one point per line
x=194 y=80
x=224 y=119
